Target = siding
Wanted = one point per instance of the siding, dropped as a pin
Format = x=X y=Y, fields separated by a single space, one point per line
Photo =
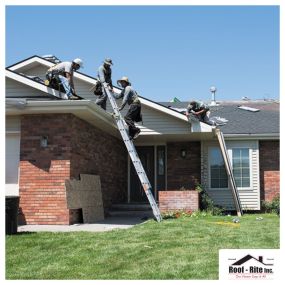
x=39 y=71
x=250 y=198
x=12 y=155
x=156 y=122
x=13 y=124
x=17 y=89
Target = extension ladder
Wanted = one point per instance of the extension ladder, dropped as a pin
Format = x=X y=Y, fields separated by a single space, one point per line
x=229 y=171
x=133 y=155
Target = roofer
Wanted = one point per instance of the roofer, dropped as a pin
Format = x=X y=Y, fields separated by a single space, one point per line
x=131 y=97
x=105 y=76
x=201 y=111
x=63 y=73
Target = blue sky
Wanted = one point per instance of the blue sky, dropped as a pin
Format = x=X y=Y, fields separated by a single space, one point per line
x=166 y=51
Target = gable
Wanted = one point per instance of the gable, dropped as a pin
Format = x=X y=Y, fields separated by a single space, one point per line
x=16 y=89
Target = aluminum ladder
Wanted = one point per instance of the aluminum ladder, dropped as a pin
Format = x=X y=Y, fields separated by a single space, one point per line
x=133 y=155
x=229 y=170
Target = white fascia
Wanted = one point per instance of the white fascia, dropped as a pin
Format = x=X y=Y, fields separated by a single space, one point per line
x=63 y=106
x=265 y=136
x=84 y=109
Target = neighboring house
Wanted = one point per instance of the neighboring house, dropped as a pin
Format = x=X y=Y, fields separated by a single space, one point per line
x=50 y=140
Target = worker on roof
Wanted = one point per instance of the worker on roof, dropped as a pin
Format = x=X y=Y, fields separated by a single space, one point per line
x=63 y=73
x=201 y=111
x=105 y=77
x=131 y=97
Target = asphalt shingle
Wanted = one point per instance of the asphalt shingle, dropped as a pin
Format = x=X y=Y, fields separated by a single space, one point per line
x=265 y=121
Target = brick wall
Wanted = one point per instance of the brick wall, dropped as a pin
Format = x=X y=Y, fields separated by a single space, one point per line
x=96 y=152
x=269 y=160
x=178 y=200
x=74 y=147
x=183 y=172
x=44 y=170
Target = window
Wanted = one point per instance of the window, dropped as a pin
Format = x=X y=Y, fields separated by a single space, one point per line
x=160 y=167
x=218 y=174
x=160 y=161
x=241 y=167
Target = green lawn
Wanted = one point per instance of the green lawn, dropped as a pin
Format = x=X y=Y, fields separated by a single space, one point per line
x=185 y=248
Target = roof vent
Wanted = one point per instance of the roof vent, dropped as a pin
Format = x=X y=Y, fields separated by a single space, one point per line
x=51 y=58
x=175 y=100
x=248 y=109
x=213 y=90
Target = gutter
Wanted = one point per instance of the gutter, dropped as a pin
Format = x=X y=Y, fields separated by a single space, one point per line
x=267 y=136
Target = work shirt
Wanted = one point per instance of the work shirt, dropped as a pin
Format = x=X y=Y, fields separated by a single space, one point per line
x=62 y=68
x=129 y=96
x=105 y=75
x=198 y=106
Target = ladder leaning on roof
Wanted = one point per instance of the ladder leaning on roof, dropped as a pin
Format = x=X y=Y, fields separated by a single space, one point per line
x=229 y=170
x=133 y=155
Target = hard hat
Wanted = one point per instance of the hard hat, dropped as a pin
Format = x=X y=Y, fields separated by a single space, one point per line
x=79 y=62
x=124 y=78
x=108 y=61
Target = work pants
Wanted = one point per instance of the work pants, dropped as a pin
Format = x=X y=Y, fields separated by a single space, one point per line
x=102 y=100
x=133 y=115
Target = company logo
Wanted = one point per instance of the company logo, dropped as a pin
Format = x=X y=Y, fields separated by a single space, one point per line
x=245 y=264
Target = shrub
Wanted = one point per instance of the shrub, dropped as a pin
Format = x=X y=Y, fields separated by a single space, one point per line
x=207 y=204
x=176 y=214
x=273 y=206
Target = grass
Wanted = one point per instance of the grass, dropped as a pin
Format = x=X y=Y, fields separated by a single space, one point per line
x=185 y=248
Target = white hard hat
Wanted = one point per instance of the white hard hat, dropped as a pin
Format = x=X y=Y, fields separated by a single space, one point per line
x=78 y=61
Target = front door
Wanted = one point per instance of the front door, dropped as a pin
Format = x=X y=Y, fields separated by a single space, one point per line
x=146 y=155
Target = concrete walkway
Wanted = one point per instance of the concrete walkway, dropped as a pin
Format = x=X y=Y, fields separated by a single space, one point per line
x=108 y=224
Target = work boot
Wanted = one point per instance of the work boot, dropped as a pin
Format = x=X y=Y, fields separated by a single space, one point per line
x=64 y=96
x=73 y=97
x=136 y=134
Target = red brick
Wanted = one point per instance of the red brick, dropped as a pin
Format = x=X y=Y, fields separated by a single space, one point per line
x=178 y=200
x=269 y=160
x=74 y=147
x=183 y=172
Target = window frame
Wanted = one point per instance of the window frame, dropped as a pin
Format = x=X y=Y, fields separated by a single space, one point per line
x=250 y=164
x=230 y=152
x=209 y=170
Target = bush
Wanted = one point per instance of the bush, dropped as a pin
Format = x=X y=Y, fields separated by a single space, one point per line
x=273 y=206
x=207 y=204
x=177 y=214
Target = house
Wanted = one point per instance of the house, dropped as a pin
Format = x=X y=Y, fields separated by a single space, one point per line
x=49 y=141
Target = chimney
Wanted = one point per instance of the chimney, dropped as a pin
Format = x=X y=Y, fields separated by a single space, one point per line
x=213 y=90
x=260 y=259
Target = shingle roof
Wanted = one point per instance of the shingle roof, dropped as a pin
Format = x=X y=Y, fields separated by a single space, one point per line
x=266 y=121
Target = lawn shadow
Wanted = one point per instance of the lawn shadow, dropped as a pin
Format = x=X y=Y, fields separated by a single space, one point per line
x=22 y=233
x=117 y=220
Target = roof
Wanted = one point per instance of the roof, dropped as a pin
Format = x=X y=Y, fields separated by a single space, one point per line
x=240 y=122
x=35 y=59
x=265 y=121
